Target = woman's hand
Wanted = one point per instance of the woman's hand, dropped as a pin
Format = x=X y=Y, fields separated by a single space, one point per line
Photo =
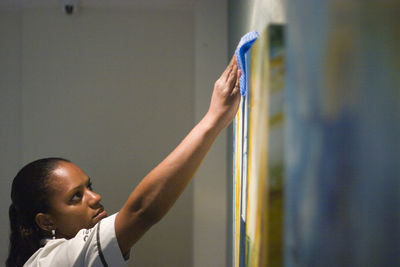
x=226 y=96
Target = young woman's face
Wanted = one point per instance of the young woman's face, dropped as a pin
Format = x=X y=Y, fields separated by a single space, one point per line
x=74 y=206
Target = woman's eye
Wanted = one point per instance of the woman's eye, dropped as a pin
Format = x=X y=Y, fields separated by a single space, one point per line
x=76 y=197
x=90 y=186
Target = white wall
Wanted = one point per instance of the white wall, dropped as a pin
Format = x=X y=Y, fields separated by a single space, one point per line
x=111 y=90
x=115 y=90
x=10 y=114
x=210 y=184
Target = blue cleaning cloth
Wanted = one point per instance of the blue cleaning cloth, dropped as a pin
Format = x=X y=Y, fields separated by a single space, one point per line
x=244 y=45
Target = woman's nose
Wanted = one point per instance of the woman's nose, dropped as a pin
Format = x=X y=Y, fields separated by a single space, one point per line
x=94 y=199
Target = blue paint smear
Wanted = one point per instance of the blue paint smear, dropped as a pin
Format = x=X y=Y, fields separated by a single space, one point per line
x=243 y=47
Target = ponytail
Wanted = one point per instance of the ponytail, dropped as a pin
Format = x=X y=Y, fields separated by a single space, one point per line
x=24 y=239
x=29 y=196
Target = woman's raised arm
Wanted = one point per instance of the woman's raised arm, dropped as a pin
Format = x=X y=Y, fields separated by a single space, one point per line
x=159 y=190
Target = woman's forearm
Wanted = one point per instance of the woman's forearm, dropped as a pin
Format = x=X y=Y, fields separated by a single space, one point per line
x=159 y=190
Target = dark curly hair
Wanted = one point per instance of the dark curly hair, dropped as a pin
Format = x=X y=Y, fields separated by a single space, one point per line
x=29 y=195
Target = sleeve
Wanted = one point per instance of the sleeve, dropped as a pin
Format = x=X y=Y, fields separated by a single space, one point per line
x=107 y=246
x=96 y=247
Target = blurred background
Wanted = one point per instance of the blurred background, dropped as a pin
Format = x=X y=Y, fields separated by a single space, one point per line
x=116 y=85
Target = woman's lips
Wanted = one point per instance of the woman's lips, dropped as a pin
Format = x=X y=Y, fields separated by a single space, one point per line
x=100 y=215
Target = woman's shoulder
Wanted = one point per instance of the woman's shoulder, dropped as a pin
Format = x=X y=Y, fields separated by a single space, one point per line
x=90 y=247
x=47 y=254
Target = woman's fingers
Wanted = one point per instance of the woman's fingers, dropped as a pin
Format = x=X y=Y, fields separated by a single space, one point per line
x=236 y=88
x=229 y=68
x=230 y=71
x=233 y=76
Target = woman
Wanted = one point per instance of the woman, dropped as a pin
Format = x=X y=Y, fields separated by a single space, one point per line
x=57 y=220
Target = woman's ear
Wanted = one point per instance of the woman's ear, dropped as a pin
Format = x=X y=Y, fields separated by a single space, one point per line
x=45 y=221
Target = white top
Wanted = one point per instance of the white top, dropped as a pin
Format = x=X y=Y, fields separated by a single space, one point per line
x=96 y=247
